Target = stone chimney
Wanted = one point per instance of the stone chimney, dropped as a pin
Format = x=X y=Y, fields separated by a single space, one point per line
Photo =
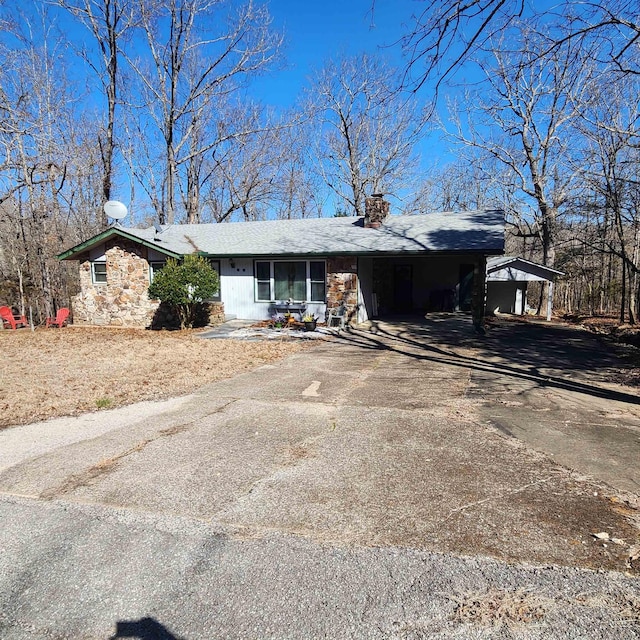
x=376 y=209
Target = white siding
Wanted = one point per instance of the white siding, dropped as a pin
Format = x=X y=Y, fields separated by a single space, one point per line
x=511 y=274
x=236 y=288
x=365 y=289
x=238 y=294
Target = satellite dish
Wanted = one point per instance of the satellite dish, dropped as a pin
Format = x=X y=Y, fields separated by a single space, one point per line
x=115 y=210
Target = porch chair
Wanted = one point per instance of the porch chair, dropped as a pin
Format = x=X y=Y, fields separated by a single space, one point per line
x=339 y=314
x=10 y=320
x=60 y=320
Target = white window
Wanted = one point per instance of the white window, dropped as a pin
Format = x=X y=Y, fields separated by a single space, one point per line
x=317 y=279
x=263 y=281
x=99 y=272
x=299 y=280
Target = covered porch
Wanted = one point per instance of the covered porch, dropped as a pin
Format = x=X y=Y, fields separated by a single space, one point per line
x=401 y=285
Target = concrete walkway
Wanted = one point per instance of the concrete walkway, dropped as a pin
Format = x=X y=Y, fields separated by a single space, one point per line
x=247 y=330
x=359 y=489
x=226 y=329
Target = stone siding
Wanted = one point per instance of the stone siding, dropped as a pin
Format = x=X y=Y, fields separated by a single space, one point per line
x=342 y=284
x=123 y=300
x=376 y=211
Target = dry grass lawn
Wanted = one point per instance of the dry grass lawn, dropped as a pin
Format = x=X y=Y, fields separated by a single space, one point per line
x=53 y=372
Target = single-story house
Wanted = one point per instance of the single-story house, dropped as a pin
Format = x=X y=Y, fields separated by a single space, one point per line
x=376 y=264
x=507 y=279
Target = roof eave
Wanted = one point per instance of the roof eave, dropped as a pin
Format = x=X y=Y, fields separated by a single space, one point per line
x=372 y=253
x=510 y=261
x=73 y=252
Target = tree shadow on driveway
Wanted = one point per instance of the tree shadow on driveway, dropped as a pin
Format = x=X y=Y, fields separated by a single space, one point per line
x=546 y=355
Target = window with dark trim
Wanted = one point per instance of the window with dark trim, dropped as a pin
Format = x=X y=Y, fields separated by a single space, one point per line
x=299 y=280
x=215 y=264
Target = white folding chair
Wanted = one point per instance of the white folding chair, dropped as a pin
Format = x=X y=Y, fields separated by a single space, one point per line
x=339 y=314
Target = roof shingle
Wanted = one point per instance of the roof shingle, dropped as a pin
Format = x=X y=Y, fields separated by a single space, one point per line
x=478 y=231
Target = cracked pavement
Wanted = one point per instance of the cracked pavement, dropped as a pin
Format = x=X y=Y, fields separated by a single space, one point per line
x=352 y=490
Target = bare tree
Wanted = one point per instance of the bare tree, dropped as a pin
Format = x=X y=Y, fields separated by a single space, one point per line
x=447 y=34
x=369 y=130
x=37 y=152
x=466 y=184
x=609 y=166
x=195 y=64
x=300 y=193
x=256 y=169
x=31 y=164
x=522 y=119
x=108 y=21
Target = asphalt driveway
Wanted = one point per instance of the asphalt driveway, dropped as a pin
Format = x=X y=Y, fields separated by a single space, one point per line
x=406 y=438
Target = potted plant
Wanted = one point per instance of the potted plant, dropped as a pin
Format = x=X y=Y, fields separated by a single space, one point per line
x=309 y=322
x=278 y=322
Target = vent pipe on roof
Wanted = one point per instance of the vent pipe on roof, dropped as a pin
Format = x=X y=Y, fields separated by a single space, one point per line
x=376 y=209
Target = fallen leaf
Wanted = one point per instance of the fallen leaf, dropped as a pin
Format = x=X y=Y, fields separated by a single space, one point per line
x=601 y=536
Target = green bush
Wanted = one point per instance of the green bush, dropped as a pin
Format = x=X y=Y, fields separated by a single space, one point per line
x=185 y=286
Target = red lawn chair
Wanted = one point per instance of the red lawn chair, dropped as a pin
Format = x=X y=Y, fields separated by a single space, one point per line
x=9 y=319
x=60 y=320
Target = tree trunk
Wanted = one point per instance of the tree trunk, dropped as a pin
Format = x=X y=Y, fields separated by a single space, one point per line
x=631 y=308
x=193 y=192
x=170 y=179
x=623 y=293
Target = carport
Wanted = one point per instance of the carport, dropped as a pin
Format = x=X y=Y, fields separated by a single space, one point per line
x=507 y=280
x=412 y=284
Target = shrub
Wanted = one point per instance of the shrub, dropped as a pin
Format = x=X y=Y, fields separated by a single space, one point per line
x=185 y=286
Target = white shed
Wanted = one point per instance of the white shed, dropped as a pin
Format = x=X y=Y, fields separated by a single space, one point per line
x=507 y=279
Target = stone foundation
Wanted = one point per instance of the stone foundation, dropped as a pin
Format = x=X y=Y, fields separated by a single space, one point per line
x=342 y=285
x=208 y=314
x=216 y=313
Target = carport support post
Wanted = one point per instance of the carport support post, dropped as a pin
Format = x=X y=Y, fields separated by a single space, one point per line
x=479 y=293
x=549 y=300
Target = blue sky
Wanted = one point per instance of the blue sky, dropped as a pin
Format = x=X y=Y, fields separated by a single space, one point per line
x=316 y=31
